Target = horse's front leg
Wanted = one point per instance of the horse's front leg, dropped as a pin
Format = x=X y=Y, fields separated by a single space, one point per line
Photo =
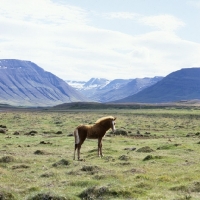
x=100 y=147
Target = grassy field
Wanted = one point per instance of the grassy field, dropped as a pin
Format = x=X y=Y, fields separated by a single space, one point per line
x=158 y=158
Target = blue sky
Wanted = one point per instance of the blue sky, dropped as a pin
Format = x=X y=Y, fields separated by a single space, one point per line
x=77 y=40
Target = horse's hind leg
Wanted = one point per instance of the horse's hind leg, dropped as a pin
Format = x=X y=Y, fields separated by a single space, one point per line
x=79 y=146
x=79 y=139
x=75 y=147
x=78 y=152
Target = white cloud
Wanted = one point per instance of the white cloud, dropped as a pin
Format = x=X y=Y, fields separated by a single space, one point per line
x=163 y=22
x=42 y=12
x=121 y=15
x=60 y=39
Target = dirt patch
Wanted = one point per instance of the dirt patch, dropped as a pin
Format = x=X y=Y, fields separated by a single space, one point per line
x=145 y=149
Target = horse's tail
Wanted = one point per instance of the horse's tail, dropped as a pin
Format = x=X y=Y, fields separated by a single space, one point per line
x=76 y=136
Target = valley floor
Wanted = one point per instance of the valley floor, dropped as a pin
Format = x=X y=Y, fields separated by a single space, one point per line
x=157 y=159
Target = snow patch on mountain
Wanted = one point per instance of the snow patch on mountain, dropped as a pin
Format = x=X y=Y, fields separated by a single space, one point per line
x=78 y=85
x=93 y=83
x=96 y=83
x=103 y=90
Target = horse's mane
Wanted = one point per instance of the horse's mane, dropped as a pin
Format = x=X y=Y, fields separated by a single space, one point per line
x=104 y=118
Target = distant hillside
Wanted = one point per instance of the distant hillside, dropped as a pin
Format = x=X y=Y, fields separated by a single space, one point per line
x=23 y=83
x=180 y=85
x=103 y=90
x=127 y=88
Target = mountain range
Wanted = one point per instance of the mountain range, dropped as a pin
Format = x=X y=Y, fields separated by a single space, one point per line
x=180 y=85
x=23 y=83
x=103 y=90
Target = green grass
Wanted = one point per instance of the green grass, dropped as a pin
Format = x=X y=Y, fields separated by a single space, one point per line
x=41 y=166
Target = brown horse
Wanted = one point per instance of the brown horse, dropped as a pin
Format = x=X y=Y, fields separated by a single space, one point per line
x=96 y=131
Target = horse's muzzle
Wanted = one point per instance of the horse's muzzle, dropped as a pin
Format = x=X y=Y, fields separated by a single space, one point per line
x=113 y=130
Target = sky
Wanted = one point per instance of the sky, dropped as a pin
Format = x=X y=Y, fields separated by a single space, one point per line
x=112 y=39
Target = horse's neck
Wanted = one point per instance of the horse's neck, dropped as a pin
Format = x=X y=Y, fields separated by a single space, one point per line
x=101 y=127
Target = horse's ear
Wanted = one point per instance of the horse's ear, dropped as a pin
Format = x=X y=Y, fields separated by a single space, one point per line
x=115 y=118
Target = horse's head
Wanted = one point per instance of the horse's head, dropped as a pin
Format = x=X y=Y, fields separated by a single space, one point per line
x=107 y=122
x=113 y=124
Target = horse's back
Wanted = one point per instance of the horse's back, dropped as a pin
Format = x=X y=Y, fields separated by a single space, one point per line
x=83 y=129
x=88 y=131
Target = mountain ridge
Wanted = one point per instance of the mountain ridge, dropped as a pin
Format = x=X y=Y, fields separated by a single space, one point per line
x=103 y=90
x=25 y=83
x=180 y=85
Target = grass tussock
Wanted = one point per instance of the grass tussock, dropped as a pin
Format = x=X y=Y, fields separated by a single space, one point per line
x=7 y=159
x=46 y=196
x=108 y=192
x=40 y=152
x=7 y=195
x=151 y=157
x=145 y=149
x=62 y=162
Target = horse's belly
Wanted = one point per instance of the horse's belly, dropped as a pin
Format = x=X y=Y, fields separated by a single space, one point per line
x=92 y=136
